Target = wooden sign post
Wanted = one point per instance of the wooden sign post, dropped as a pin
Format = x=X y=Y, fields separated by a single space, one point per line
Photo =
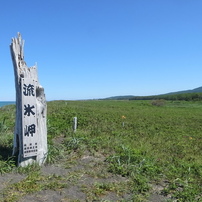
x=30 y=137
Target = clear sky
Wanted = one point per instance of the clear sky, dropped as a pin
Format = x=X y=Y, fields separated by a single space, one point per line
x=88 y=49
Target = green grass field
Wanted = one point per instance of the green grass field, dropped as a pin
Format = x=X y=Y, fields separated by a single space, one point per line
x=149 y=144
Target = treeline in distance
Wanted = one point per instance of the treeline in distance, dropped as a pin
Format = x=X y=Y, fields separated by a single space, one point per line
x=183 y=96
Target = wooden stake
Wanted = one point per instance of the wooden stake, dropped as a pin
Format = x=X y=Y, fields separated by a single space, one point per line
x=74 y=124
x=30 y=136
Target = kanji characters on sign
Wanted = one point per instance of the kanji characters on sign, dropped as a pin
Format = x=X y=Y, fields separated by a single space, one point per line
x=28 y=110
x=30 y=136
x=28 y=90
x=30 y=130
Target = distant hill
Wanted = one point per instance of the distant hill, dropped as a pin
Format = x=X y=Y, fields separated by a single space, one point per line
x=195 y=90
x=132 y=97
x=124 y=97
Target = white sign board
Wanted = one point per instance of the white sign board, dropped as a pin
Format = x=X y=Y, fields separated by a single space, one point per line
x=29 y=121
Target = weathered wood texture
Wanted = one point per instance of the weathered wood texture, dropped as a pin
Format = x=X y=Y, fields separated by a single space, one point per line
x=22 y=72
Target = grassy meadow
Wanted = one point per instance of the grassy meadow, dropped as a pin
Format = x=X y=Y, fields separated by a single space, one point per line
x=152 y=143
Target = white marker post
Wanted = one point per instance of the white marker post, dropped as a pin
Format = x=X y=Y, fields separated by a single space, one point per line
x=74 y=124
x=30 y=136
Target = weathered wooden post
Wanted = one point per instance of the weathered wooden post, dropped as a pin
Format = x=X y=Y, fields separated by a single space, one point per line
x=30 y=136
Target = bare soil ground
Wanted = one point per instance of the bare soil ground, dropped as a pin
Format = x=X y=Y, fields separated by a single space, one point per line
x=86 y=178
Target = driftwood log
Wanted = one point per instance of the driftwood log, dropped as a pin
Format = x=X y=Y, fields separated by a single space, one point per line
x=30 y=136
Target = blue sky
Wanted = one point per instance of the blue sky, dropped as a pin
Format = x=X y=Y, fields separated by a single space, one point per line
x=89 y=49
